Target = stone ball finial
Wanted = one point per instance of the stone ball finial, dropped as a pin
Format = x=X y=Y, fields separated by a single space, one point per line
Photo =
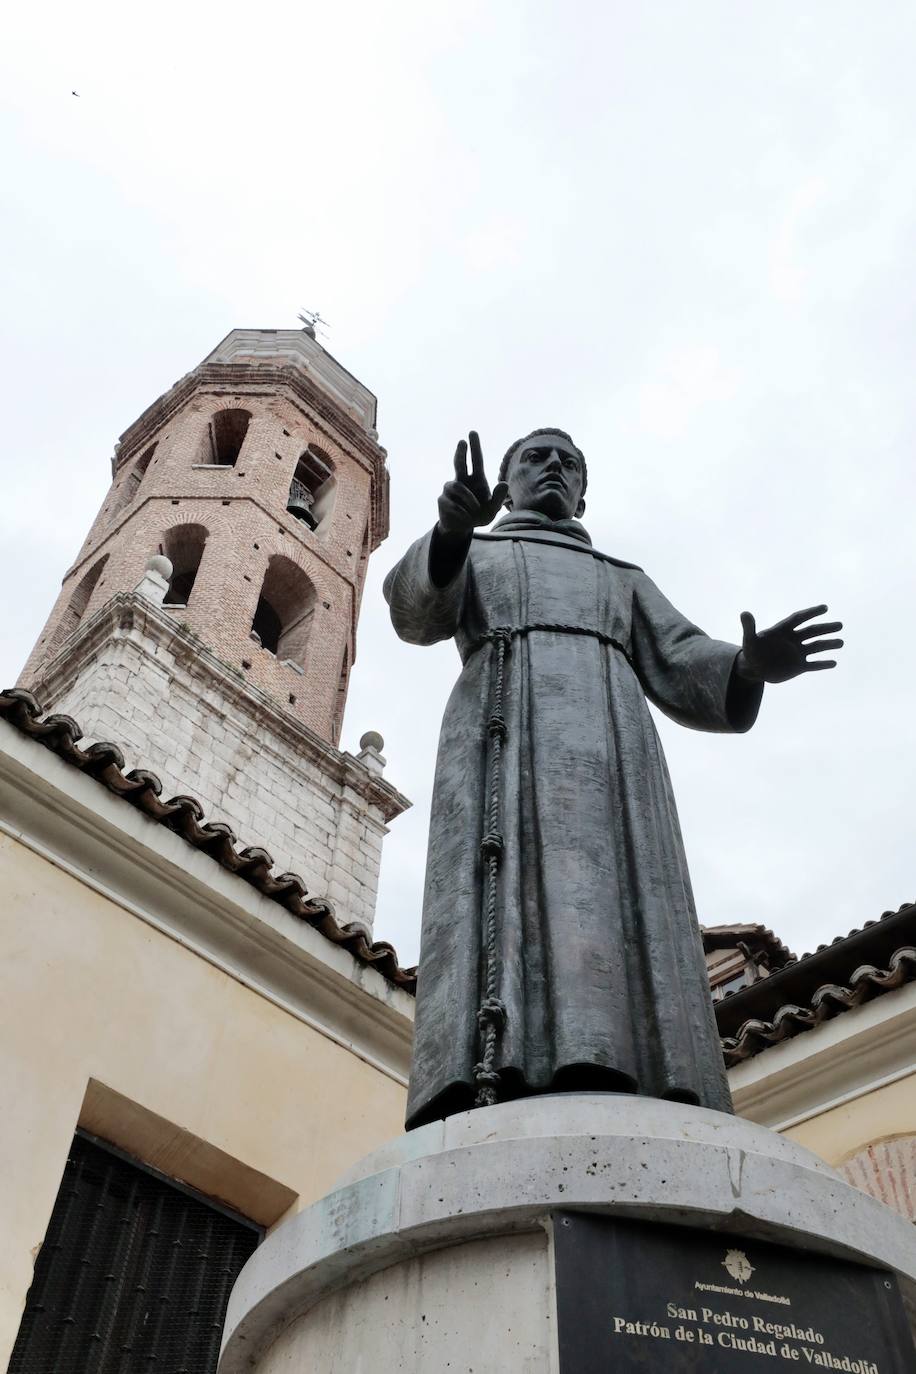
x=372 y=740
x=158 y=563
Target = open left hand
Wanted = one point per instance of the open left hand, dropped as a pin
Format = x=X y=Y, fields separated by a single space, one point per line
x=784 y=651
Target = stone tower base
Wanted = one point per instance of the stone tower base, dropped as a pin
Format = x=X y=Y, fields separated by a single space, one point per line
x=437 y=1252
x=133 y=677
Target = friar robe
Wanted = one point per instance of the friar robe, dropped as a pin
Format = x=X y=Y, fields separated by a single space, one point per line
x=599 y=957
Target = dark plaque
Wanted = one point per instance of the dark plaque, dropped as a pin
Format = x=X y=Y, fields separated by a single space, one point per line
x=637 y=1297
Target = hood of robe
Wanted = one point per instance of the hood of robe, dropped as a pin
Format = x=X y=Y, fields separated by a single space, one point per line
x=531 y=524
x=534 y=520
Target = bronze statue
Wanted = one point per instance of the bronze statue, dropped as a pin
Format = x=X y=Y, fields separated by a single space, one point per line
x=560 y=947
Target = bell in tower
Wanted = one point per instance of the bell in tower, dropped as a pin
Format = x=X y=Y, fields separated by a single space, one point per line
x=311 y=492
x=208 y=623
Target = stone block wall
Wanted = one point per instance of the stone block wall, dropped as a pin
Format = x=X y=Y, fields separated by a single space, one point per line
x=133 y=678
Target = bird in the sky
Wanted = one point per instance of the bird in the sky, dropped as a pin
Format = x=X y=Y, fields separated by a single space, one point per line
x=76 y=93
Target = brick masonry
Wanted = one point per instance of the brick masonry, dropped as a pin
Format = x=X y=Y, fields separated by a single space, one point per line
x=243 y=510
x=886 y=1170
x=186 y=691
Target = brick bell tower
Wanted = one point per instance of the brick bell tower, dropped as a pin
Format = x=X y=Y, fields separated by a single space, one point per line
x=208 y=625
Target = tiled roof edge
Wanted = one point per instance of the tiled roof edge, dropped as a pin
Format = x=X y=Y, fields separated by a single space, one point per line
x=858 y=930
x=829 y=1000
x=184 y=815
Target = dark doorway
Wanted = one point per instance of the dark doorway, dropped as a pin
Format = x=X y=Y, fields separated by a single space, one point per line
x=134 y=1273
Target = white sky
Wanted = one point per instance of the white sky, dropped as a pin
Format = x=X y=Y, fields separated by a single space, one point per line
x=682 y=230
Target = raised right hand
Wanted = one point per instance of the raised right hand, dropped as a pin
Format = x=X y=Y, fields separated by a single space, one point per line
x=467 y=502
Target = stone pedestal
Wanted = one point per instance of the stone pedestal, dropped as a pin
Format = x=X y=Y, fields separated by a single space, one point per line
x=435 y=1253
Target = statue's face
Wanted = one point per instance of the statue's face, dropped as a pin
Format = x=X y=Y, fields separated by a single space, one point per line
x=545 y=474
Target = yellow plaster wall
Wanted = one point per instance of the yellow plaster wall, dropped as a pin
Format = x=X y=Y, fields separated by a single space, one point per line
x=91 y=992
x=879 y=1115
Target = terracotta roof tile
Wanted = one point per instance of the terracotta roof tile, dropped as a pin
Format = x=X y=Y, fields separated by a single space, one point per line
x=876 y=958
x=184 y=815
x=859 y=930
x=828 y=1001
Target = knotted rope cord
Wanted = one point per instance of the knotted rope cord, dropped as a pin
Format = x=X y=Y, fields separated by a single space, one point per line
x=491 y=1014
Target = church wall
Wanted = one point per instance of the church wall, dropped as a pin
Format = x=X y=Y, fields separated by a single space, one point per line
x=106 y=1020
x=884 y=1113
x=847 y=1091
x=819 y=1072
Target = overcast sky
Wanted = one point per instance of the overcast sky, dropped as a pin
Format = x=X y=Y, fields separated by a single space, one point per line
x=683 y=231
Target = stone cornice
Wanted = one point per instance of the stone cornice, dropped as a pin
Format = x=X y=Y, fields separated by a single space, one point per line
x=128 y=611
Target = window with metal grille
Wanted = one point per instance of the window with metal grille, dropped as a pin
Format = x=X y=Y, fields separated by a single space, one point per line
x=134 y=1273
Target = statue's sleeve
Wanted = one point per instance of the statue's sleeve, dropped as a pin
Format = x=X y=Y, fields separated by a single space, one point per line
x=421 y=612
x=688 y=675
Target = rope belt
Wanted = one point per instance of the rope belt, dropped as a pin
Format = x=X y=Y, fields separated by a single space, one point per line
x=491 y=1014
x=515 y=631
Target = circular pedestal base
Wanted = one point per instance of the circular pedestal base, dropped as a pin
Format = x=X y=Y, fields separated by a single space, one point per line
x=434 y=1252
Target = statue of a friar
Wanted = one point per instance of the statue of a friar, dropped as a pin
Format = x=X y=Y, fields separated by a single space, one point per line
x=560 y=947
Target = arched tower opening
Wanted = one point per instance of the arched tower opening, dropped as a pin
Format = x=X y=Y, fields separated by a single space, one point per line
x=183 y=546
x=285 y=611
x=76 y=606
x=126 y=490
x=226 y=431
x=313 y=488
x=131 y=484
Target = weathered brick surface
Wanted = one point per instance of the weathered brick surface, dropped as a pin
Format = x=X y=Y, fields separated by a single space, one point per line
x=201 y=703
x=243 y=510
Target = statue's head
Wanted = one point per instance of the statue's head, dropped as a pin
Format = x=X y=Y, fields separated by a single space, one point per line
x=547 y=473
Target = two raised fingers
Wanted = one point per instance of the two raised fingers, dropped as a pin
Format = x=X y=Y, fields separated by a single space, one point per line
x=461 y=457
